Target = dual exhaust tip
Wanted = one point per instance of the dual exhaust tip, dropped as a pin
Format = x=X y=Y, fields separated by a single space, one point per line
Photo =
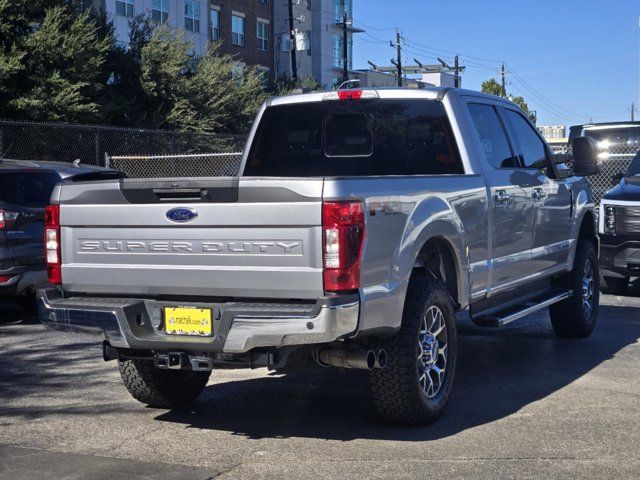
x=360 y=359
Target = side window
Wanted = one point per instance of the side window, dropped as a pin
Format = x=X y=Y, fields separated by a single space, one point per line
x=531 y=146
x=492 y=136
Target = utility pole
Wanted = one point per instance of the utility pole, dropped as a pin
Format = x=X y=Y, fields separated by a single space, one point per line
x=345 y=49
x=456 y=69
x=398 y=61
x=504 y=88
x=292 y=37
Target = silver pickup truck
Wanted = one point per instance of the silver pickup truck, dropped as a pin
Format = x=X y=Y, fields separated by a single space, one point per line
x=361 y=222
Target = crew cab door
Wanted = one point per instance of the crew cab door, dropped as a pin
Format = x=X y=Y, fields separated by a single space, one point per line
x=551 y=198
x=511 y=203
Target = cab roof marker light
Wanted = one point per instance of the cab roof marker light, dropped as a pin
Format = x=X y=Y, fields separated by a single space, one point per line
x=351 y=95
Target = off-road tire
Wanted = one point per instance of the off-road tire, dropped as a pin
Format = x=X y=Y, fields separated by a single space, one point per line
x=161 y=388
x=570 y=318
x=397 y=390
x=614 y=285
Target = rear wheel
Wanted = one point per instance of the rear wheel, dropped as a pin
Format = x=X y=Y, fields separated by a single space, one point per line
x=161 y=388
x=27 y=302
x=576 y=316
x=614 y=285
x=414 y=387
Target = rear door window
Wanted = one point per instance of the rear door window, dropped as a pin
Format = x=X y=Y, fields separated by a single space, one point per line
x=492 y=136
x=27 y=188
x=354 y=138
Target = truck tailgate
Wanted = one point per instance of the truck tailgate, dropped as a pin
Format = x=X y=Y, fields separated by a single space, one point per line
x=250 y=238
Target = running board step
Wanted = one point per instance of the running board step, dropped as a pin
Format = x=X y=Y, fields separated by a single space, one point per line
x=500 y=319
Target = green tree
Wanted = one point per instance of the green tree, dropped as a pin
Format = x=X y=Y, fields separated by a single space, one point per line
x=284 y=85
x=123 y=102
x=50 y=61
x=492 y=87
x=201 y=94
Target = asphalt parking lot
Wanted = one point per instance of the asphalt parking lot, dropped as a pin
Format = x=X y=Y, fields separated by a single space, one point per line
x=525 y=405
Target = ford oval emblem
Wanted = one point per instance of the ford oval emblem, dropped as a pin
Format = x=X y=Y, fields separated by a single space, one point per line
x=182 y=214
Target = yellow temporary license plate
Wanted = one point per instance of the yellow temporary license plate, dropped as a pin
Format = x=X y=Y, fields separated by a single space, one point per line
x=188 y=321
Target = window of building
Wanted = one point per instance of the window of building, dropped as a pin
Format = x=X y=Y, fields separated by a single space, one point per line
x=492 y=136
x=338 y=53
x=124 y=8
x=264 y=75
x=237 y=30
x=192 y=15
x=531 y=146
x=160 y=10
x=238 y=72
x=338 y=9
x=263 y=35
x=215 y=25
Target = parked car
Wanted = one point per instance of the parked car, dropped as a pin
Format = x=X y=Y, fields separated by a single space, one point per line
x=25 y=190
x=619 y=228
x=362 y=221
x=617 y=144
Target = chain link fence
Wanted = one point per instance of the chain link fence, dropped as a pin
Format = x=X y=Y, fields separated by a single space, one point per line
x=91 y=144
x=613 y=160
x=197 y=165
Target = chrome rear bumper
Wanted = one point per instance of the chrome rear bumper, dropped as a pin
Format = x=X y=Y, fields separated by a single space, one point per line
x=238 y=327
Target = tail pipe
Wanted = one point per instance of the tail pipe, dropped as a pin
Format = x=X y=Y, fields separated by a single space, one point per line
x=361 y=359
x=381 y=358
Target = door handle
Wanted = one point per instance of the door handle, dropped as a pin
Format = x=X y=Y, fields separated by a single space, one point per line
x=501 y=197
x=538 y=194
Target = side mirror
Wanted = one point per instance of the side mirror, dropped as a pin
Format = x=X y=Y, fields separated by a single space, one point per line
x=585 y=156
x=615 y=180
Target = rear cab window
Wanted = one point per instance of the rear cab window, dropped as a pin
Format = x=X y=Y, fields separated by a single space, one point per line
x=354 y=138
x=27 y=188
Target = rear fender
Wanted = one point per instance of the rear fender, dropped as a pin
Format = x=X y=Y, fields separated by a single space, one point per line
x=384 y=303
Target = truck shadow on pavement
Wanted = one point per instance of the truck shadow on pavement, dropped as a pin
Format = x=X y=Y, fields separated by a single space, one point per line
x=499 y=373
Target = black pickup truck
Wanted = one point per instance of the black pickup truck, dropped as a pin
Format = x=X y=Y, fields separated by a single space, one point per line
x=620 y=232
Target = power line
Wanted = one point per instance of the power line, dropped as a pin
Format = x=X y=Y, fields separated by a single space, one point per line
x=380 y=29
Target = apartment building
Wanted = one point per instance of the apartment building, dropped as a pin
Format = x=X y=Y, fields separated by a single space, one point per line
x=245 y=27
x=318 y=27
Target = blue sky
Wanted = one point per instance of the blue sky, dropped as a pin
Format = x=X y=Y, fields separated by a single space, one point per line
x=572 y=60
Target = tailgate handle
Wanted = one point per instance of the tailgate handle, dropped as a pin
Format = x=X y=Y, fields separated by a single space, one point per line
x=170 y=194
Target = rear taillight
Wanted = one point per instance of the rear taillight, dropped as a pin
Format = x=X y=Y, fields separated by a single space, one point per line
x=7 y=218
x=343 y=238
x=52 y=244
x=5 y=278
